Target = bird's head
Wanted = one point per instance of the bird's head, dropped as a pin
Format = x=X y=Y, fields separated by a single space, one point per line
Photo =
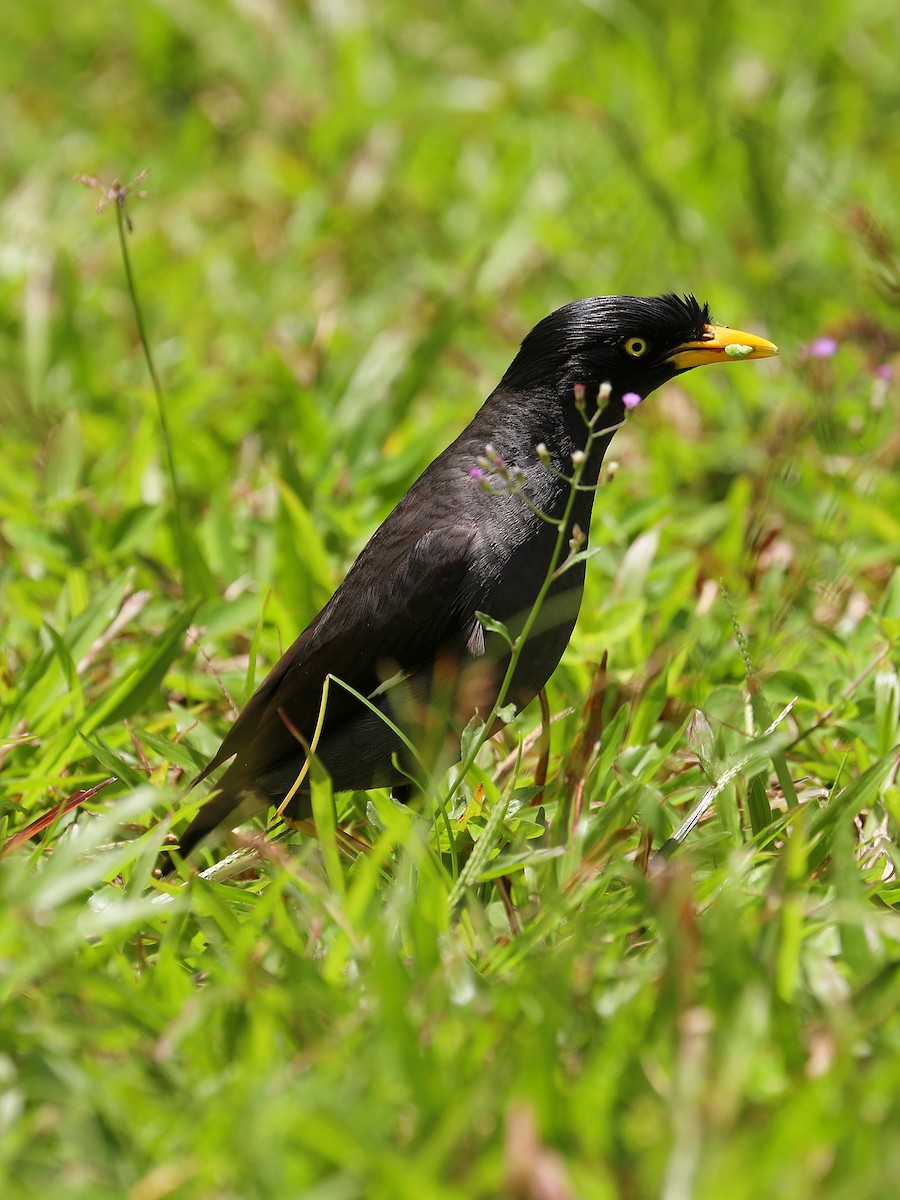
x=634 y=343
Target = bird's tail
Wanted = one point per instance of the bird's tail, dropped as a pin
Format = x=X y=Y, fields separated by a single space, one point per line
x=233 y=804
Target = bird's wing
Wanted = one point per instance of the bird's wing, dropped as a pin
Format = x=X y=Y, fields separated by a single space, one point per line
x=403 y=599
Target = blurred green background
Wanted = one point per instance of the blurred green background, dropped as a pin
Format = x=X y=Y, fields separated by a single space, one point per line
x=354 y=212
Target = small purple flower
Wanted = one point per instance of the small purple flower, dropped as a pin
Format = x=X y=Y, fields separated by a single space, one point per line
x=885 y=372
x=821 y=347
x=631 y=400
x=491 y=460
x=481 y=478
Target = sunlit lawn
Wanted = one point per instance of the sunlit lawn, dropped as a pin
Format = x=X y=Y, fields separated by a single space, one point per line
x=353 y=215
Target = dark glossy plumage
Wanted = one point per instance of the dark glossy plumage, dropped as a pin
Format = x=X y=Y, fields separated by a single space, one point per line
x=448 y=550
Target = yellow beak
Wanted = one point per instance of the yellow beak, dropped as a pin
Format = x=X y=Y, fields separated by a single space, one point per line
x=720 y=344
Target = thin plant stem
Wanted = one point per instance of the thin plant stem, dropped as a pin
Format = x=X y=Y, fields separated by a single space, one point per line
x=557 y=566
x=181 y=548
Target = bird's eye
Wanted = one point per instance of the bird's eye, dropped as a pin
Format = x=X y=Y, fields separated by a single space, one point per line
x=637 y=347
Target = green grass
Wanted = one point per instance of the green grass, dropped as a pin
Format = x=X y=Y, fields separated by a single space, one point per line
x=354 y=213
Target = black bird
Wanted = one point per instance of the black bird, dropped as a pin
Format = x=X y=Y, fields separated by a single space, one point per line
x=454 y=547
